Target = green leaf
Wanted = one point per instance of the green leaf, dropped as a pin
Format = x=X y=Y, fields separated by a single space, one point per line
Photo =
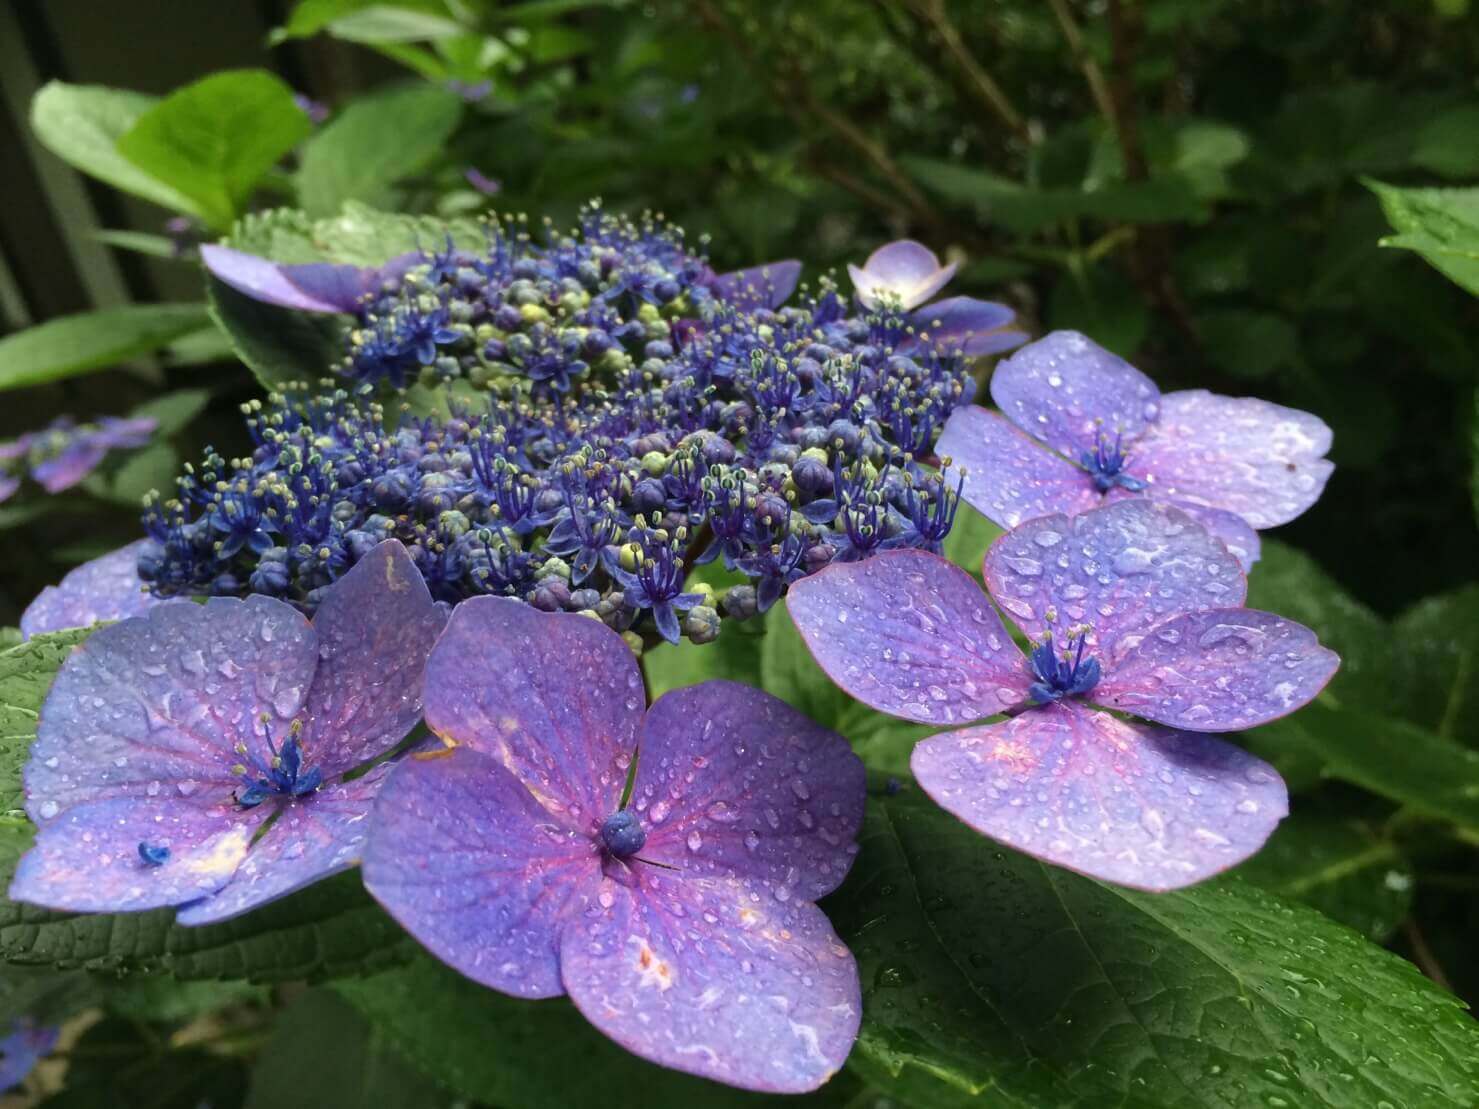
x=1338 y=867
x=1103 y=304
x=161 y=999
x=1445 y=143
x=277 y=344
x=1440 y=224
x=969 y=539
x=140 y=242
x=374 y=143
x=173 y=411
x=991 y=979
x=502 y=1050
x=213 y=140
x=1436 y=665
x=126 y=1065
x=81 y=124
x=1248 y=344
x=152 y=469
x=351 y=1066
x=26 y=673
x=73 y=345
x=734 y=656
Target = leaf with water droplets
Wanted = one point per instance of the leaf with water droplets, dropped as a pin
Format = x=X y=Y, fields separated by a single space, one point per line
x=26 y=673
x=989 y=978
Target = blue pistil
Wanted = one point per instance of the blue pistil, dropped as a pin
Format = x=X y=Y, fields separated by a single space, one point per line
x=283 y=777
x=1065 y=675
x=622 y=834
x=1106 y=465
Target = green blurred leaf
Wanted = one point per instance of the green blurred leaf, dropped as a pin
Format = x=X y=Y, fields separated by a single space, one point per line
x=991 y=979
x=277 y=344
x=309 y=17
x=969 y=539
x=374 y=143
x=1248 y=344
x=81 y=124
x=1440 y=224
x=26 y=673
x=1102 y=303
x=140 y=242
x=213 y=140
x=1436 y=665
x=173 y=411
x=73 y=345
x=125 y=1065
x=1448 y=143
x=159 y=998
x=1338 y=867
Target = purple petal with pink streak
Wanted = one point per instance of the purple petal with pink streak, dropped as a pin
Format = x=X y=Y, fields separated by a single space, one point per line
x=735 y=783
x=1219 y=671
x=1141 y=806
x=1009 y=477
x=107 y=588
x=313 y=837
x=1065 y=390
x=376 y=627
x=324 y=287
x=767 y=286
x=910 y=634
x=1112 y=572
x=715 y=977
x=963 y=325
x=469 y=863
x=556 y=697
x=1260 y=460
x=154 y=706
x=88 y=860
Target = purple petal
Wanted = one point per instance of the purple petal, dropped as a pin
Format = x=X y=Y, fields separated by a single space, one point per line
x=1117 y=570
x=715 y=977
x=107 y=588
x=1141 y=806
x=154 y=706
x=9 y=483
x=306 y=286
x=905 y=270
x=555 y=697
x=376 y=627
x=1234 y=531
x=965 y=326
x=1219 y=671
x=1066 y=390
x=1009 y=477
x=312 y=838
x=73 y=463
x=114 y=432
x=909 y=634
x=468 y=862
x=22 y=1048
x=87 y=860
x=735 y=783
x=767 y=286
x=1261 y=460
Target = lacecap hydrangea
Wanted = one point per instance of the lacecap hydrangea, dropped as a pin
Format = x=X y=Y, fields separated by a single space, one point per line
x=622 y=414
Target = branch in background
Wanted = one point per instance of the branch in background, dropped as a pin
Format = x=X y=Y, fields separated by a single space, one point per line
x=971 y=77
x=1093 y=75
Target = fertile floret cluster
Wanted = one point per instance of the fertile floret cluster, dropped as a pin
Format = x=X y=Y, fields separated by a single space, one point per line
x=636 y=415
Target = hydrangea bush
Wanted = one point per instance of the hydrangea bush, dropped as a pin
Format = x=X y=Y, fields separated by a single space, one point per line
x=598 y=673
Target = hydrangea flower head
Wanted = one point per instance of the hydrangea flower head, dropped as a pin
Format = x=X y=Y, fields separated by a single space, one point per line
x=677 y=910
x=1080 y=426
x=106 y=588
x=61 y=455
x=1132 y=608
x=168 y=741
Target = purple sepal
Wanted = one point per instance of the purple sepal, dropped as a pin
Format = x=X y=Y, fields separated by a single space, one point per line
x=469 y=863
x=69 y=465
x=1067 y=391
x=903 y=271
x=735 y=783
x=767 y=286
x=1260 y=460
x=1008 y=477
x=88 y=859
x=963 y=325
x=556 y=698
x=910 y=634
x=1236 y=533
x=1219 y=671
x=107 y=588
x=1141 y=806
x=1114 y=571
x=716 y=977
x=324 y=287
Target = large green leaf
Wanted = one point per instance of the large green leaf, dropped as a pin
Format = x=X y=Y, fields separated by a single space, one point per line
x=1339 y=867
x=73 y=345
x=1436 y=665
x=81 y=124
x=370 y=21
x=1440 y=224
x=277 y=344
x=374 y=143
x=990 y=979
x=213 y=140
x=26 y=673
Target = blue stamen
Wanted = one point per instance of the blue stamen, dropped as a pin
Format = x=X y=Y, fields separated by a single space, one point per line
x=1064 y=675
x=153 y=854
x=622 y=834
x=1106 y=464
x=284 y=775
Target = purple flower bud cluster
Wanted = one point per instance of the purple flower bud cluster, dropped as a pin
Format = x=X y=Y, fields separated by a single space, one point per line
x=60 y=455
x=641 y=416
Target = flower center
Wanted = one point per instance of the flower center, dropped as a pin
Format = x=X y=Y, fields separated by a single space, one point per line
x=1106 y=464
x=622 y=834
x=284 y=776
x=1068 y=674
